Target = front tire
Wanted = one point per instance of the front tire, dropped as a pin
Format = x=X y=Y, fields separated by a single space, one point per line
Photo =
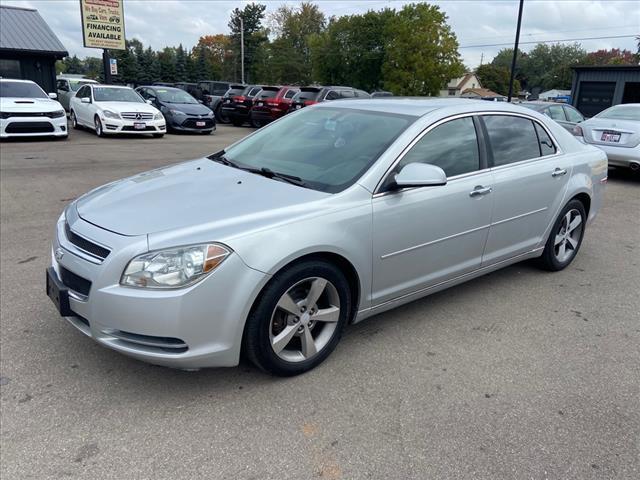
x=298 y=319
x=98 y=126
x=565 y=237
x=74 y=120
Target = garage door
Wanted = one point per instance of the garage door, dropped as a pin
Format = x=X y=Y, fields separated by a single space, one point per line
x=593 y=97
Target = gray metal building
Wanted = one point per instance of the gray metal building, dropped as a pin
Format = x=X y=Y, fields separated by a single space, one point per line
x=28 y=47
x=596 y=88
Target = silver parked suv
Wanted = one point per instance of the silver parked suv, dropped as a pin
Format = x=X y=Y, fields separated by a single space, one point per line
x=323 y=218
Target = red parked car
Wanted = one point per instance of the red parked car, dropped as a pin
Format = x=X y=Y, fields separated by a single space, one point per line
x=270 y=104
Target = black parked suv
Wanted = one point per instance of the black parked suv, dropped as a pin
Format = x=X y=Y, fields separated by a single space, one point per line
x=238 y=107
x=211 y=93
x=181 y=111
x=311 y=95
x=191 y=88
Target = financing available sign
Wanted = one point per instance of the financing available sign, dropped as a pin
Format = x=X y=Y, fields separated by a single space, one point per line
x=103 y=24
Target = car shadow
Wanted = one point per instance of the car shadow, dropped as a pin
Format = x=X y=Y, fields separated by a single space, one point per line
x=624 y=175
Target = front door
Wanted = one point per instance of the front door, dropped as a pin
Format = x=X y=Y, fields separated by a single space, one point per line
x=427 y=235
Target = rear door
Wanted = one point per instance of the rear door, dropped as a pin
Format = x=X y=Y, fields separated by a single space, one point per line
x=424 y=236
x=530 y=178
x=557 y=113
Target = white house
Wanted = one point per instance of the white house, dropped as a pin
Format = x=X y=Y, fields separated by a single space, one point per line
x=456 y=86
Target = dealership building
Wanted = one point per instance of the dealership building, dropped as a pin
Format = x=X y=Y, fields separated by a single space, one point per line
x=596 y=88
x=28 y=47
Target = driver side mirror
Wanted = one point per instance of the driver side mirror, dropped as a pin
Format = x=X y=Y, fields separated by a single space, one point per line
x=150 y=101
x=419 y=175
x=85 y=100
x=53 y=96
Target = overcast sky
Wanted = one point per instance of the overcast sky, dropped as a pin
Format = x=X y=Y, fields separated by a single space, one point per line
x=161 y=23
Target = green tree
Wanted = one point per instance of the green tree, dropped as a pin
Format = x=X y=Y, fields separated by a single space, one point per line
x=615 y=56
x=496 y=79
x=422 y=52
x=503 y=60
x=167 y=64
x=72 y=65
x=128 y=70
x=549 y=66
x=181 y=64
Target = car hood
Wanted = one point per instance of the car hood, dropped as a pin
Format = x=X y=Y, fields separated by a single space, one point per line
x=13 y=104
x=120 y=107
x=199 y=193
x=629 y=131
x=188 y=108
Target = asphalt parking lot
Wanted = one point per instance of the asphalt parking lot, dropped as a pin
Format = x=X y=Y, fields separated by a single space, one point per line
x=521 y=374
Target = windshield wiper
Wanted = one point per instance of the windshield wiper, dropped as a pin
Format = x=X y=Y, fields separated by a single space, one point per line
x=265 y=172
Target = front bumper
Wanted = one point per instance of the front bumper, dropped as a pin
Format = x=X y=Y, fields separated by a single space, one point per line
x=194 y=327
x=190 y=124
x=118 y=125
x=33 y=127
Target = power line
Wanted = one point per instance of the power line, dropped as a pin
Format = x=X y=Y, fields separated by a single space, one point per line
x=547 y=41
x=474 y=39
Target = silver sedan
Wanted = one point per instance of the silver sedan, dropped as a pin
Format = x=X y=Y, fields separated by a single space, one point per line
x=616 y=131
x=324 y=218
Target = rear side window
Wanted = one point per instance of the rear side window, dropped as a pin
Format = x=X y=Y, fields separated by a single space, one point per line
x=347 y=93
x=452 y=146
x=573 y=115
x=547 y=146
x=290 y=94
x=332 y=95
x=556 y=112
x=512 y=139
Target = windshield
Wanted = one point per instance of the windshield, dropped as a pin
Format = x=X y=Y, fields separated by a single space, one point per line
x=21 y=89
x=174 y=95
x=621 y=112
x=76 y=84
x=107 y=94
x=327 y=148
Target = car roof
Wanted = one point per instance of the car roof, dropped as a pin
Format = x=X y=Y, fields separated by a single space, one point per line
x=16 y=80
x=111 y=86
x=419 y=106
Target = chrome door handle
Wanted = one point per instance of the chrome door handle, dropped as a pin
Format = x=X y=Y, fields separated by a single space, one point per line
x=480 y=190
x=558 y=172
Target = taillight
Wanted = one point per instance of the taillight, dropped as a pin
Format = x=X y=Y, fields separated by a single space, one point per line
x=310 y=102
x=239 y=98
x=577 y=131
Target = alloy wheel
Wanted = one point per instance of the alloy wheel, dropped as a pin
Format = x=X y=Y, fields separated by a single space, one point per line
x=304 y=319
x=567 y=238
x=98 y=124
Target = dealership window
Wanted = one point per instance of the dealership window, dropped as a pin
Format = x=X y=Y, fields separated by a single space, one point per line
x=10 y=68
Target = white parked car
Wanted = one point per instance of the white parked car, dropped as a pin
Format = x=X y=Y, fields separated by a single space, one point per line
x=27 y=111
x=615 y=130
x=113 y=109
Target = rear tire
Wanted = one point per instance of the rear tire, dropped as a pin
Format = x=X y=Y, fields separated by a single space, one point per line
x=298 y=318
x=222 y=117
x=565 y=238
x=256 y=123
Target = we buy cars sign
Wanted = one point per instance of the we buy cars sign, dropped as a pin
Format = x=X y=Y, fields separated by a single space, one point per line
x=103 y=24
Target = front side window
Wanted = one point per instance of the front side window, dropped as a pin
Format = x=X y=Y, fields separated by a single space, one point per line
x=21 y=89
x=347 y=94
x=332 y=95
x=452 y=146
x=512 y=139
x=108 y=94
x=573 y=115
x=327 y=148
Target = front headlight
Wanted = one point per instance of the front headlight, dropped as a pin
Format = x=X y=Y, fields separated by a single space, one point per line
x=158 y=116
x=110 y=114
x=174 y=268
x=56 y=114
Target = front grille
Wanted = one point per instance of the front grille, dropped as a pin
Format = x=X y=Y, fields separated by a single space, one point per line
x=33 y=114
x=85 y=245
x=130 y=128
x=75 y=282
x=29 y=127
x=162 y=344
x=137 y=116
x=191 y=122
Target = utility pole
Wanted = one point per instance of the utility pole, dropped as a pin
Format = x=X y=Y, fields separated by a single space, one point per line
x=107 y=66
x=515 y=52
x=481 y=58
x=242 y=49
